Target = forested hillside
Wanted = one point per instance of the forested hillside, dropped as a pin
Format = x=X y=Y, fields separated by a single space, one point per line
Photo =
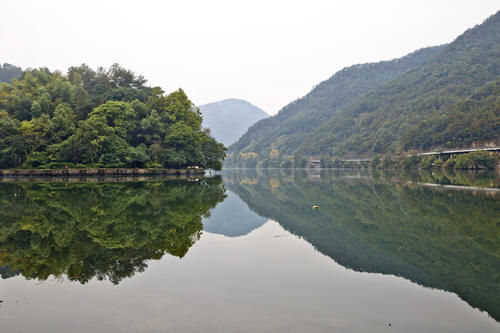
x=9 y=72
x=474 y=119
x=103 y=118
x=229 y=119
x=383 y=108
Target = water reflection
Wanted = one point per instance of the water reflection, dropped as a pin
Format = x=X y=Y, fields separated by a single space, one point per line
x=99 y=229
x=391 y=223
x=232 y=218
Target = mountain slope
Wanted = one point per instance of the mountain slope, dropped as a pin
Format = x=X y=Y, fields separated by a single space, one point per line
x=9 y=72
x=474 y=119
x=355 y=114
x=299 y=119
x=230 y=118
x=377 y=122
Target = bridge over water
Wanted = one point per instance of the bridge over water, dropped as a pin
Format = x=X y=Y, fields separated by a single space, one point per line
x=452 y=152
x=437 y=152
x=456 y=151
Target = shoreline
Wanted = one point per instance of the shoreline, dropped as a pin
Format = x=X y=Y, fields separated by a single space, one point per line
x=98 y=172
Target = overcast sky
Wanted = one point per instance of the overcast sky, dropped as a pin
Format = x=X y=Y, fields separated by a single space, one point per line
x=266 y=52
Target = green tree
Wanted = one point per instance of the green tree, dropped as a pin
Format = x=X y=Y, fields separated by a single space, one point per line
x=63 y=124
x=183 y=146
x=36 y=132
x=118 y=115
x=85 y=146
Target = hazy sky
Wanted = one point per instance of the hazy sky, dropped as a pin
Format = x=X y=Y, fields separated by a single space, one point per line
x=267 y=52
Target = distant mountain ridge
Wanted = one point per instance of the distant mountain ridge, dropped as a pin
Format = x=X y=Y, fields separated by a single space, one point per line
x=378 y=108
x=230 y=118
x=9 y=72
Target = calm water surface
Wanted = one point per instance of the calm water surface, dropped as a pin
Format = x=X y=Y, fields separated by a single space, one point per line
x=246 y=252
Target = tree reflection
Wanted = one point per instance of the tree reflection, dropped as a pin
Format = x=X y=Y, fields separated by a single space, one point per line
x=102 y=230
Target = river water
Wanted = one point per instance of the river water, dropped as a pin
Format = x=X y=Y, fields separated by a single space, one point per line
x=246 y=251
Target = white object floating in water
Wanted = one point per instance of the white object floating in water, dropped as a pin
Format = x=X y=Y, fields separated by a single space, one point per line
x=315 y=207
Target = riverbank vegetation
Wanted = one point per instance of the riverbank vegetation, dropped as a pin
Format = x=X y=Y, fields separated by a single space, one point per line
x=469 y=161
x=100 y=118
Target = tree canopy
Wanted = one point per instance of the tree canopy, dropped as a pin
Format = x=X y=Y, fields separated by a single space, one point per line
x=100 y=118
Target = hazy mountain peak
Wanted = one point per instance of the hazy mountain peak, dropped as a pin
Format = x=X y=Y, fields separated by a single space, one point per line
x=230 y=118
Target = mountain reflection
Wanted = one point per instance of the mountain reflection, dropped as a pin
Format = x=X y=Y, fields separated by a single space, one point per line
x=101 y=230
x=232 y=218
x=390 y=223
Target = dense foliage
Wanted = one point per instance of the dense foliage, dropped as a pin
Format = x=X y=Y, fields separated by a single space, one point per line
x=390 y=223
x=9 y=72
x=103 y=118
x=473 y=120
x=472 y=161
x=102 y=230
x=438 y=97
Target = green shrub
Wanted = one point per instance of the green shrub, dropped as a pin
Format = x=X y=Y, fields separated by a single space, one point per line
x=36 y=159
x=476 y=160
x=154 y=165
